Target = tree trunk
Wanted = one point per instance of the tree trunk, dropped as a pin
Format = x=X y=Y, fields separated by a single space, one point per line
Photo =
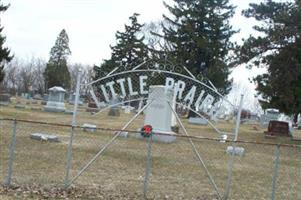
x=295 y=120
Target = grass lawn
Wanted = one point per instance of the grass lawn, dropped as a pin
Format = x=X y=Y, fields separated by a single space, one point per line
x=119 y=172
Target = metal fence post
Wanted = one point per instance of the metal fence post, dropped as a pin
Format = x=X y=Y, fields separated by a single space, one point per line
x=69 y=151
x=148 y=165
x=231 y=162
x=11 y=155
x=275 y=172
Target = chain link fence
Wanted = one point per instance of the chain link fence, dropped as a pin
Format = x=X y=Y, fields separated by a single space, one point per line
x=158 y=170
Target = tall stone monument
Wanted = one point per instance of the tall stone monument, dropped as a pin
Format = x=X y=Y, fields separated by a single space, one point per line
x=56 y=98
x=159 y=113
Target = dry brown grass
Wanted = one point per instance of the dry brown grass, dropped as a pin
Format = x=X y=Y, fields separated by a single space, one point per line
x=175 y=171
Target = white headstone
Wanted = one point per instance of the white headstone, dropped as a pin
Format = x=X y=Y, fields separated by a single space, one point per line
x=159 y=113
x=56 y=98
x=89 y=127
x=198 y=121
x=44 y=137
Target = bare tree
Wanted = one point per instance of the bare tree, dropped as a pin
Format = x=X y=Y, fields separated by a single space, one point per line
x=250 y=102
x=24 y=76
x=86 y=76
x=27 y=76
x=11 y=80
x=39 y=81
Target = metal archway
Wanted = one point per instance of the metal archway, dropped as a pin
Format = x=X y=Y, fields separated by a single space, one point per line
x=202 y=99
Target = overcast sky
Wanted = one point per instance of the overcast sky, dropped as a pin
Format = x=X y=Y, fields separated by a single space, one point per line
x=32 y=26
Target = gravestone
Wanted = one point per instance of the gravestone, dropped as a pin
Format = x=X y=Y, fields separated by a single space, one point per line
x=37 y=97
x=114 y=110
x=198 y=121
x=68 y=112
x=35 y=108
x=277 y=128
x=4 y=99
x=20 y=106
x=92 y=107
x=34 y=102
x=159 y=113
x=89 y=127
x=44 y=137
x=26 y=96
x=123 y=134
x=55 y=101
x=72 y=100
x=45 y=99
x=285 y=118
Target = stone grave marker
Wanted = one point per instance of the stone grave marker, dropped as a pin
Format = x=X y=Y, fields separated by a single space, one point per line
x=198 y=121
x=123 y=134
x=72 y=100
x=35 y=108
x=159 y=114
x=4 y=99
x=92 y=107
x=114 y=110
x=89 y=127
x=26 y=96
x=56 y=99
x=20 y=106
x=34 y=102
x=68 y=112
x=37 y=97
x=45 y=99
x=277 y=128
x=44 y=137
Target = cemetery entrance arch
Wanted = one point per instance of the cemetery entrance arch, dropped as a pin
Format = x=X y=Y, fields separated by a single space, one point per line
x=167 y=90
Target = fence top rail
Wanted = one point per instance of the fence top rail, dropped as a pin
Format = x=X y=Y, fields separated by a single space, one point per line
x=176 y=135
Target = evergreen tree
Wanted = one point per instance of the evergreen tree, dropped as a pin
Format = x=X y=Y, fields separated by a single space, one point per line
x=4 y=51
x=278 y=49
x=56 y=72
x=129 y=50
x=198 y=37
